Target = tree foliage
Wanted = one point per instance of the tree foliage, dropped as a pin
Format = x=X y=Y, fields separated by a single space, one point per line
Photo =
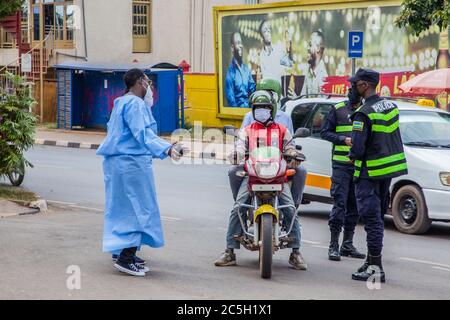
x=9 y=7
x=17 y=124
x=419 y=15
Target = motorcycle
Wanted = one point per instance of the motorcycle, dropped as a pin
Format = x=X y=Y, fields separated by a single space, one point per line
x=16 y=175
x=261 y=218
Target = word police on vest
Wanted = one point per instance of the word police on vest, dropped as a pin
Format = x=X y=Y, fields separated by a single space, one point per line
x=383 y=106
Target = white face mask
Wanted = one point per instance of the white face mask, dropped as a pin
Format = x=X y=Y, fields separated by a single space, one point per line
x=262 y=115
x=148 y=99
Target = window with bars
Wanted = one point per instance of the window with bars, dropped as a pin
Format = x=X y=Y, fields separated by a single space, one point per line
x=7 y=40
x=53 y=15
x=252 y=1
x=25 y=29
x=142 y=26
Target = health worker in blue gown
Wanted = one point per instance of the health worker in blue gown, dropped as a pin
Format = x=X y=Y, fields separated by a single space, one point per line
x=132 y=217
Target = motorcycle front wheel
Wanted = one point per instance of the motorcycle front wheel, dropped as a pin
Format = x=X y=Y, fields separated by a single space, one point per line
x=16 y=177
x=266 y=247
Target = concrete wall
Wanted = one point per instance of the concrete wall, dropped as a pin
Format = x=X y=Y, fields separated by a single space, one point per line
x=182 y=30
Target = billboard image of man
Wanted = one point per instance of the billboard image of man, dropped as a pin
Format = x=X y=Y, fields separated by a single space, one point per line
x=273 y=58
x=317 y=72
x=239 y=83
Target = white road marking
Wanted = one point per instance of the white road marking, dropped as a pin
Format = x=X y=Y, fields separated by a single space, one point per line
x=321 y=247
x=61 y=202
x=440 y=268
x=310 y=242
x=166 y=218
x=74 y=205
x=431 y=263
x=87 y=208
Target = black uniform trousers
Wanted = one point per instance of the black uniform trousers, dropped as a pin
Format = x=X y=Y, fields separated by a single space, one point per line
x=344 y=212
x=372 y=200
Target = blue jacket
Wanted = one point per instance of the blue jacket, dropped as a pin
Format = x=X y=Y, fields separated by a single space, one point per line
x=239 y=85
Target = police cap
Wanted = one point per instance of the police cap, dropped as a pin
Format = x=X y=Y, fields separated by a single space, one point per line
x=365 y=75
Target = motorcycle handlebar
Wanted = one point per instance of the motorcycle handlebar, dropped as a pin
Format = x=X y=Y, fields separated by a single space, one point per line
x=301 y=157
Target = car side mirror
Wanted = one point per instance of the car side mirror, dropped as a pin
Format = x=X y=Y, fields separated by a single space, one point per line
x=302 y=133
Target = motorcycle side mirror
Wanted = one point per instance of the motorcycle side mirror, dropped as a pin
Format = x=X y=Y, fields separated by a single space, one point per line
x=302 y=133
x=229 y=130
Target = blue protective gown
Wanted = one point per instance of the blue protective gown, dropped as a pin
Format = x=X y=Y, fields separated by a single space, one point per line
x=132 y=215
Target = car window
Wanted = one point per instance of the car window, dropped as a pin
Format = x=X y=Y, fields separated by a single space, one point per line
x=300 y=115
x=425 y=126
x=317 y=119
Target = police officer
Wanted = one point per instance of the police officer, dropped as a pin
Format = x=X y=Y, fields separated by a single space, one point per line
x=378 y=155
x=337 y=129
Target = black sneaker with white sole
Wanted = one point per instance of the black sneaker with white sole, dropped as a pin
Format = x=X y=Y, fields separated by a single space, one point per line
x=142 y=267
x=129 y=268
x=137 y=260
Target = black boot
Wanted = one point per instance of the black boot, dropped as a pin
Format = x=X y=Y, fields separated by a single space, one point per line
x=364 y=266
x=348 y=249
x=333 y=250
x=374 y=267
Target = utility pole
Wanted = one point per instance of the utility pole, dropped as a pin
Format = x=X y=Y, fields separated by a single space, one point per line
x=41 y=81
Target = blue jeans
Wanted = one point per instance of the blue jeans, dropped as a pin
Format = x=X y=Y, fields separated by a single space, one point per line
x=297 y=188
x=234 y=225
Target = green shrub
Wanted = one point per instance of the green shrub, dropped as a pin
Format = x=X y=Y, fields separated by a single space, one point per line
x=17 y=124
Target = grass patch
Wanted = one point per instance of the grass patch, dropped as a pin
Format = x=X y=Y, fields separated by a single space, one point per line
x=16 y=194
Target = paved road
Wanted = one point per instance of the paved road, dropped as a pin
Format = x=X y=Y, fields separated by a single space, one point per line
x=194 y=201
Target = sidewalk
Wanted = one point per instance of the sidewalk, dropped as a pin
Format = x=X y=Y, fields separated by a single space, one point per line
x=10 y=209
x=92 y=139
x=69 y=138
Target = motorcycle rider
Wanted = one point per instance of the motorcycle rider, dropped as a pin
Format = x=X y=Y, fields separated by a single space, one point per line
x=264 y=109
x=299 y=179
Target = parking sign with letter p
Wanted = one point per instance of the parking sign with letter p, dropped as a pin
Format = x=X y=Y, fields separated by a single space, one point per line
x=355 y=44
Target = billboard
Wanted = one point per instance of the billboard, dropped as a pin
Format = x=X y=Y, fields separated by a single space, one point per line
x=305 y=48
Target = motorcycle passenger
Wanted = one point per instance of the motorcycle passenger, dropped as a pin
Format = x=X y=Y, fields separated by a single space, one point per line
x=264 y=109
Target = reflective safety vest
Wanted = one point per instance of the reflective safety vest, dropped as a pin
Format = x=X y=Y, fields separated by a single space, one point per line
x=262 y=136
x=343 y=127
x=385 y=157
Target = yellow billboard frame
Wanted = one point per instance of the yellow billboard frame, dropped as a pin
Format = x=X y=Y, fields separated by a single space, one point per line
x=223 y=11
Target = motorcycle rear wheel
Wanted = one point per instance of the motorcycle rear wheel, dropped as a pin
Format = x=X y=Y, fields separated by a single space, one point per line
x=16 y=177
x=266 y=247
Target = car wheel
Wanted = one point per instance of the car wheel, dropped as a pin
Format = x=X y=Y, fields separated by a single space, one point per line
x=409 y=210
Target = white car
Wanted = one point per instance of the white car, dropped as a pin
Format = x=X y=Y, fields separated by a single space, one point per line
x=418 y=198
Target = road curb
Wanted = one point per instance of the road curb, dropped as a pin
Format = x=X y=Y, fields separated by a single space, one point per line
x=92 y=146
x=67 y=144
x=9 y=208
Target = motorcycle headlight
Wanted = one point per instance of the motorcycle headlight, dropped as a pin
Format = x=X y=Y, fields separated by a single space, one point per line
x=267 y=170
x=445 y=178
